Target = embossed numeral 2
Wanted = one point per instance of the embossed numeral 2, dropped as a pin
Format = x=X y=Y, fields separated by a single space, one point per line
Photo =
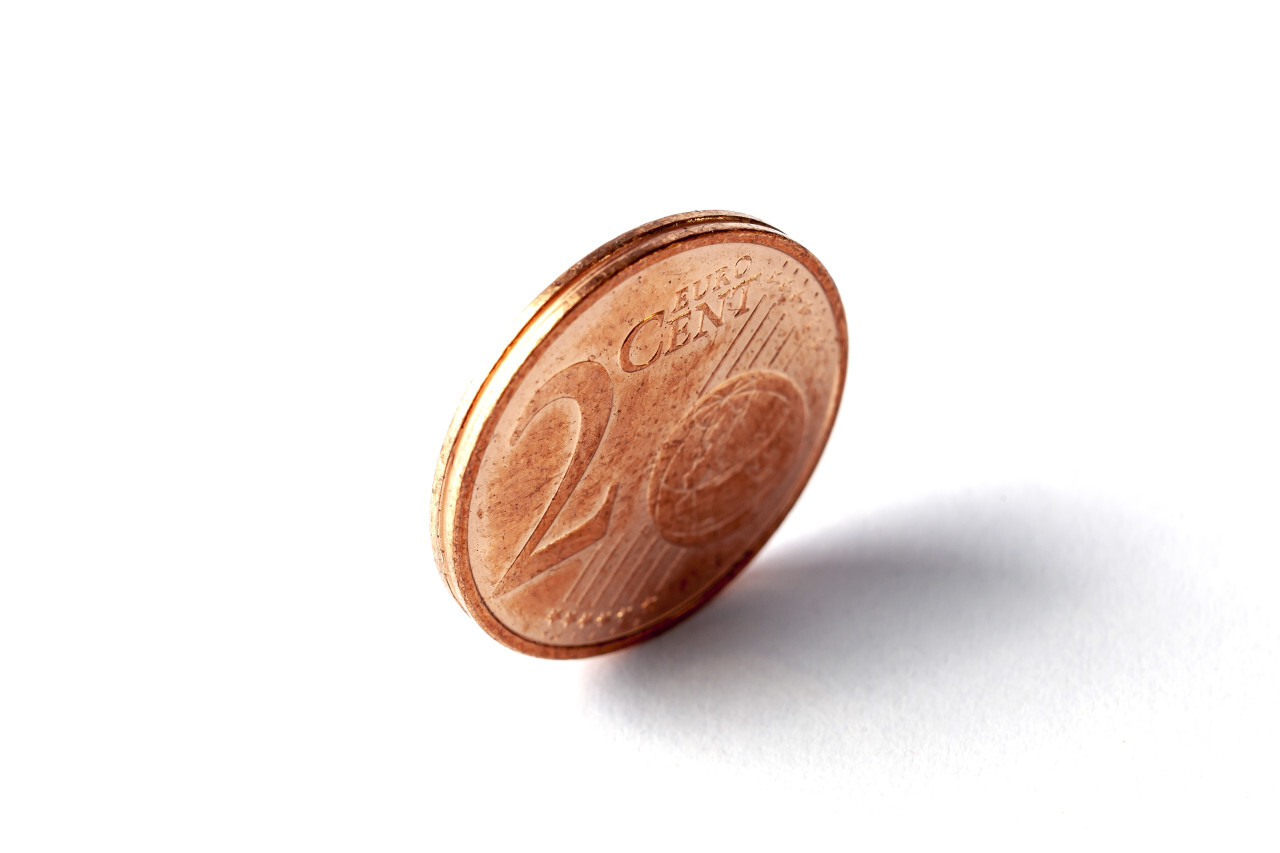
x=587 y=383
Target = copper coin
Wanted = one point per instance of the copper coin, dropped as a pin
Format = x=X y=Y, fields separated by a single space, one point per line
x=642 y=436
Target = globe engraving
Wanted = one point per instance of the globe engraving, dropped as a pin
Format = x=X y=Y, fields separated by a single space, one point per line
x=722 y=460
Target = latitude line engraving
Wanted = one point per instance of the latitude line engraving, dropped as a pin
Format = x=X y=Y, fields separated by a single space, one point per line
x=601 y=548
x=729 y=348
x=610 y=577
x=785 y=339
x=765 y=343
x=794 y=352
x=747 y=348
x=666 y=574
x=642 y=576
x=628 y=576
x=599 y=570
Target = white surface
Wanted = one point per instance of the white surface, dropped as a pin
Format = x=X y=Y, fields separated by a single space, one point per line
x=252 y=253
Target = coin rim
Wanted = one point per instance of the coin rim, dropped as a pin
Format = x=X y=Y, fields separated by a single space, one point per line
x=548 y=315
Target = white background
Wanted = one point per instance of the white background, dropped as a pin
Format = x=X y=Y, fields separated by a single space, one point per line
x=252 y=253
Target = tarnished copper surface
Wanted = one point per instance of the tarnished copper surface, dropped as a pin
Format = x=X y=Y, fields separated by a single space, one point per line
x=653 y=421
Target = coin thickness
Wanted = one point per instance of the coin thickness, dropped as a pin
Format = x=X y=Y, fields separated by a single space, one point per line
x=646 y=431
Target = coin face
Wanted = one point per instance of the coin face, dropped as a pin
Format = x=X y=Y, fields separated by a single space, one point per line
x=647 y=430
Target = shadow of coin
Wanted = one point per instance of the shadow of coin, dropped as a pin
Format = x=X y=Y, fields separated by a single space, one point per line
x=916 y=621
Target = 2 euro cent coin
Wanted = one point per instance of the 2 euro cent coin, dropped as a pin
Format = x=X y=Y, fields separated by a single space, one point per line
x=646 y=431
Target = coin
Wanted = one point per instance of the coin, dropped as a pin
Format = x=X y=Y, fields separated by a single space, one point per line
x=655 y=418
